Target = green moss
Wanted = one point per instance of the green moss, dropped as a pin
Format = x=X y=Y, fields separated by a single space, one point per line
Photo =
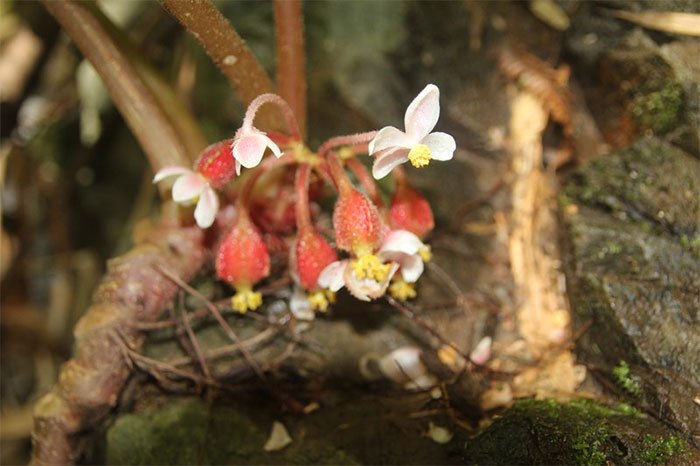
x=577 y=432
x=657 y=450
x=692 y=244
x=623 y=376
x=189 y=432
x=659 y=110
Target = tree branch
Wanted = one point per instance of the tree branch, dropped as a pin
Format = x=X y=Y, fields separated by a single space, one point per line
x=149 y=123
x=227 y=50
x=90 y=384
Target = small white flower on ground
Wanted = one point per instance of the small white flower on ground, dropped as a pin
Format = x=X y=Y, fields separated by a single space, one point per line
x=279 y=437
x=249 y=146
x=191 y=187
x=404 y=366
x=417 y=144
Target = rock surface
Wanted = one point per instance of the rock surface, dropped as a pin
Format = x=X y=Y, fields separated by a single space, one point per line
x=632 y=228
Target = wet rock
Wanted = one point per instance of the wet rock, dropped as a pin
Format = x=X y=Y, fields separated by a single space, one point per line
x=632 y=230
x=578 y=432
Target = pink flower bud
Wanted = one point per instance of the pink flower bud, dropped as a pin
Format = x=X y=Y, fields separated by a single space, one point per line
x=356 y=222
x=243 y=259
x=411 y=211
x=216 y=163
x=311 y=254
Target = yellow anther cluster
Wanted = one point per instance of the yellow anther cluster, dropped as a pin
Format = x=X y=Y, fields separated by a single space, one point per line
x=320 y=300
x=304 y=155
x=245 y=300
x=369 y=266
x=451 y=358
x=402 y=290
x=419 y=156
x=425 y=253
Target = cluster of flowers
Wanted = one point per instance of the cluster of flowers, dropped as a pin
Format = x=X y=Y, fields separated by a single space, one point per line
x=383 y=246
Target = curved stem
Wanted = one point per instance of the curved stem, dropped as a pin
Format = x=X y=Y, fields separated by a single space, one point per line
x=289 y=41
x=350 y=140
x=287 y=112
x=249 y=183
x=301 y=191
x=338 y=174
x=365 y=180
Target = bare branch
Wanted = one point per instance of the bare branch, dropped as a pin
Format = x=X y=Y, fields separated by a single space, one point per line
x=149 y=123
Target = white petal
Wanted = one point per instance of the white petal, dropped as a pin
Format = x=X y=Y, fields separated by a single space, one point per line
x=279 y=437
x=249 y=149
x=170 y=170
x=482 y=352
x=411 y=265
x=332 y=276
x=401 y=241
x=412 y=268
x=423 y=113
x=273 y=147
x=389 y=137
x=207 y=207
x=442 y=145
x=188 y=187
x=238 y=168
x=386 y=162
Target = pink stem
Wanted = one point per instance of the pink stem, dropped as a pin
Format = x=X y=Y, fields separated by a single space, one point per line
x=301 y=188
x=365 y=180
x=287 y=112
x=350 y=140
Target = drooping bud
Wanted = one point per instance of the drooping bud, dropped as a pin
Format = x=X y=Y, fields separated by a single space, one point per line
x=216 y=163
x=310 y=255
x=356 y=223
x=411 y=211
x=242 y=261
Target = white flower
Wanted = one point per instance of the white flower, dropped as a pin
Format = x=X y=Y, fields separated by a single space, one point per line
x=343 y=273
x=249 y=146
x=417 y=145
x=405 y=249
x=192 y=187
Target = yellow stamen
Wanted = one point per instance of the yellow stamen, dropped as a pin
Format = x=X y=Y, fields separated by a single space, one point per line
x=369 y=266
x=345 y=153
x=319 y=300
x=420 y=155
x=402 y=290
x=245 y=300
x=303 y=154
x=425 y=253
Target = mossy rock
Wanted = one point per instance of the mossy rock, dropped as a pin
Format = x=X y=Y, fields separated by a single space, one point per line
x=578 y=432
x=190 y=432
x=631 y=220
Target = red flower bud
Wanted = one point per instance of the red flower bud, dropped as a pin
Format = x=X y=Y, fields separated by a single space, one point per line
x=311 y=254
x=243 y=259
x=216 y=163
x=411 y=211
x=356 y=222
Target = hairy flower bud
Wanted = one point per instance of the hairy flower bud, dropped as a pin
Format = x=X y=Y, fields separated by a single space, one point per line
x=243 y=259
x=411 y=211
x=216 y=163
x=356 y=223
x=310 y=255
